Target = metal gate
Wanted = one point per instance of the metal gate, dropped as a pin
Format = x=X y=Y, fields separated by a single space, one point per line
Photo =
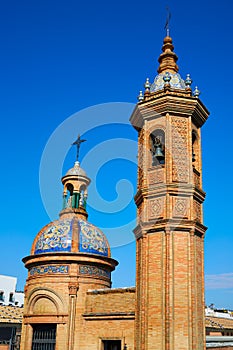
x=44 y=337
x=15 y=339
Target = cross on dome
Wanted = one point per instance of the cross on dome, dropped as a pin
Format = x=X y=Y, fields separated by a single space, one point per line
x=78 y=144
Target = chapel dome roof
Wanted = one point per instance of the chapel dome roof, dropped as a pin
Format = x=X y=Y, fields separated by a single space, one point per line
x=76 y=170
x=71 y=235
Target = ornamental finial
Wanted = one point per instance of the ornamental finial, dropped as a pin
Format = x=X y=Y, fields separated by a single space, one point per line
x=140 y=96
x=196 y=92
x=147 y=84
x=78 y=144
x=188 y=81
x=168 y=58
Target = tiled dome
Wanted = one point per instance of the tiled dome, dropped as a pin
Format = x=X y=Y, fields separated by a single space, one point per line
x=175 y=82
x=72 y=235
x=168 y=69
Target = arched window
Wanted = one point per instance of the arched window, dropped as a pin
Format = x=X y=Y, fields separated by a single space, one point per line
x=157 y=147
x=70 y=189
x=194 y=140
x=83 y=196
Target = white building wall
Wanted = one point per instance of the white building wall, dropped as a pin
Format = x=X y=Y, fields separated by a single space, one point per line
x=19 y=298
x=213 y=313
x=8 y=294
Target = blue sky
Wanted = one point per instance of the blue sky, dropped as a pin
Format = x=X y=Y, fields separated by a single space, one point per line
x=58 y=58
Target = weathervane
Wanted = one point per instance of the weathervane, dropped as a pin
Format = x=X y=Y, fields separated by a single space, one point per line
x=167 y=25
x=78 y=144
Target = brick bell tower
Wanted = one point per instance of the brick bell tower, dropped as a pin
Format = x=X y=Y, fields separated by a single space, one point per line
x=170 y=231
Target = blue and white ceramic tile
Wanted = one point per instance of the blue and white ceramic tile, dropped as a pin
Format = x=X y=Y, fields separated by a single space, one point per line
x=175 y=82
x=91 y=239
x=55 y=238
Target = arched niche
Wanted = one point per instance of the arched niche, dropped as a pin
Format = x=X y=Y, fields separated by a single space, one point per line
x=157 y=147
x=44 y=305
x=82 y=196
x=44 y=300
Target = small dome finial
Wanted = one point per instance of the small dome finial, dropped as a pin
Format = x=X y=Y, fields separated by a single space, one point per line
x=188 y=81
x=196 y=92
x=147 y=84
x=140 y=96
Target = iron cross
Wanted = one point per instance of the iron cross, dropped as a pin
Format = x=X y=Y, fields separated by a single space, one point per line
x=78 y=144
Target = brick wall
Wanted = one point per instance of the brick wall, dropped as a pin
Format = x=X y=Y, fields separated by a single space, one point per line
x=109 y=314
x=4 y=347
x=120 y=300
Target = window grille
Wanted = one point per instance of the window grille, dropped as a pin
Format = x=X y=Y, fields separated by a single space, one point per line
x=44 y=337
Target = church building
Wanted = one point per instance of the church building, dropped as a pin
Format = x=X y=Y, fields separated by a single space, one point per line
x=69 y=302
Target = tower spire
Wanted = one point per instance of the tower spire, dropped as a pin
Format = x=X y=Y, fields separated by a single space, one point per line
x=167 y=24
x=168 y=58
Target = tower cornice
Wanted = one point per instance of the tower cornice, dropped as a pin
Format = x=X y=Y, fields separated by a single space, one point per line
x=169 y=103
x=172 y=225
x=185 y=190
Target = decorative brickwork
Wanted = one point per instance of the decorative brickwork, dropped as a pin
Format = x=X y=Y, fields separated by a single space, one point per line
x=156 y=208
x=139 y=213
x=180 y=165
x=156 y=176
x=196 y=177
x=197 y=211
x=140 y=157
x=180 y=207
x=73 y=288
